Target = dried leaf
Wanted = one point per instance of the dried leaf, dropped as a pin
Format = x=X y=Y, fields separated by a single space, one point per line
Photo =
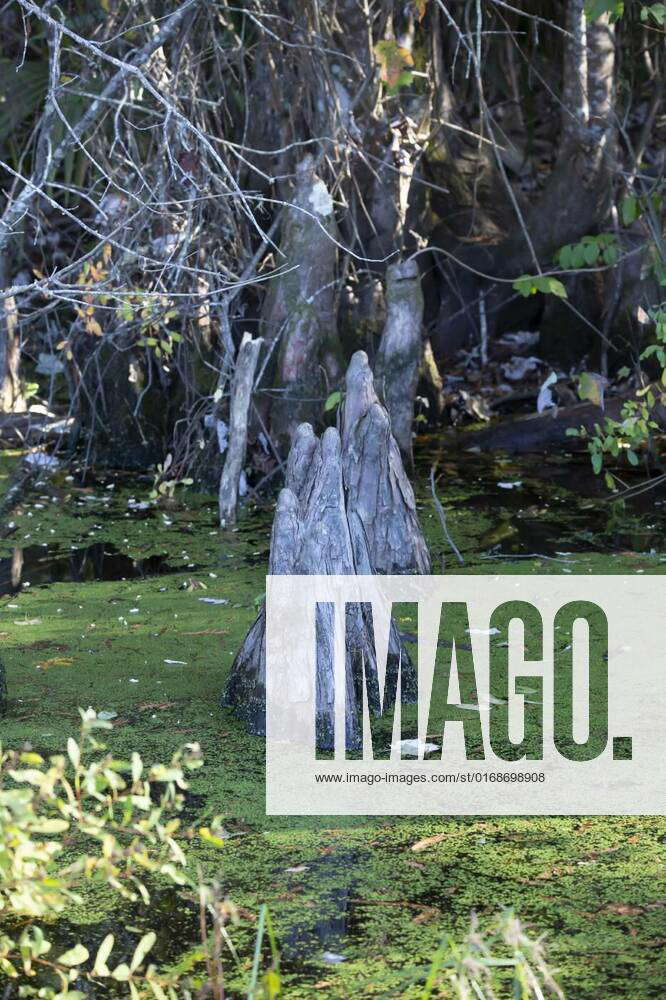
x=423 y=845
x=93 y=327
x=591 y=386
x=56 y=661
x=394 y=61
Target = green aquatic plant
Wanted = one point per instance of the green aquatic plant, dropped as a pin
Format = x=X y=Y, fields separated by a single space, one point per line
x=503 y=961
x=632 y=433
x=164 y=487
x=85 y=816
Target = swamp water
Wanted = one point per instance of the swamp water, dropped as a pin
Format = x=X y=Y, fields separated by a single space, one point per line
x=108 y=602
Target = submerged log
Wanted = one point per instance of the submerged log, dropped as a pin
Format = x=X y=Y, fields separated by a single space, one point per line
x=546 y=431
x=347 y=508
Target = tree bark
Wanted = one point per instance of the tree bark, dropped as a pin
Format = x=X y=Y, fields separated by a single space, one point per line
x=347 y=508
x=377 y=486
x=298 y=317
x=11 y=397
x=243 y=382
x=575 y=200
x=314 y=532
x=399 y=354
x=576 y=107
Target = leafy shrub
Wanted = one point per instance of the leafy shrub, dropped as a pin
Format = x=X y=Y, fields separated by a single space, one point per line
x=120 y=820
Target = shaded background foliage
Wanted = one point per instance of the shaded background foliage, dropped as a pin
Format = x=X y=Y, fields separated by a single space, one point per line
x=149 y=187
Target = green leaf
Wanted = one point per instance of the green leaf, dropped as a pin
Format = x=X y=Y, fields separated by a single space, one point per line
x=126 y=312
x=75 y=956
x=629 y=209
x=142 y=949
x=633 y=457
x=657 y=12
x=591 y=387
x=565 y=257
x=333 y=401
x=528 y=284
x=103 y=953
x=623 y=372
x=206 y=834
x=271 y=984
x=609 y=481
x=73 y=752
x=553 y=286
x=524 y=285
x=591 y=253
x=611 y=255
x=22 y=93
x=597 y=461
x=597 y=8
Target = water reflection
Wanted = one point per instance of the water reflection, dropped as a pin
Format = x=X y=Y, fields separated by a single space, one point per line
x=39 y=565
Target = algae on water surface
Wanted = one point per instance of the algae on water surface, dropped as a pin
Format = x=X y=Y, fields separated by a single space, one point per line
x=153 y=650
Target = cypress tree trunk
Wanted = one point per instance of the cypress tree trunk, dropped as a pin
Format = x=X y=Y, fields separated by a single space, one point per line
x=347 y=508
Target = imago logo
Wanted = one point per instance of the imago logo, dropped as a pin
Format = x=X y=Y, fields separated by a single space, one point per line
x=465 y=695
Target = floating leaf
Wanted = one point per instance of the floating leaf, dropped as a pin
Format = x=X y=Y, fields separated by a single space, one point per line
x=412 y=748
x=207 y=834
